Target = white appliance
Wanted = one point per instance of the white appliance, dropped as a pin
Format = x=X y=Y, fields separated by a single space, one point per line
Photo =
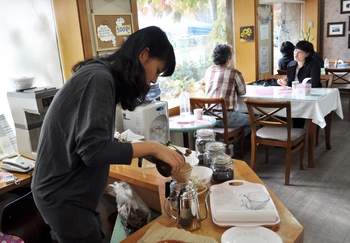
x=28 y=110
x=150 y=120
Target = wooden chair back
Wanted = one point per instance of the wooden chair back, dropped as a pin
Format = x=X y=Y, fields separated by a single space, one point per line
x=327 y=79
x=230 y=135
x=276 y=76
x=269 y=129
x=333 y=62
x=282 y=72
x=23 y=219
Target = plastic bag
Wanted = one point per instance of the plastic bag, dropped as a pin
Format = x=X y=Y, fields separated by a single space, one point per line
x=133 y=212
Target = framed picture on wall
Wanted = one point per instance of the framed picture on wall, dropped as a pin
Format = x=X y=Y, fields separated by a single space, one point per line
x=336 y=29
x=345 y=6
x=349 y=41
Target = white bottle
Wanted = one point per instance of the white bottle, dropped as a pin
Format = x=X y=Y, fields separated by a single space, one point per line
x=184 y=103
x=326 y=63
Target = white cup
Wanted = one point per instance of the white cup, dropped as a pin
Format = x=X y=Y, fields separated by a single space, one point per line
x=198 y=113
x=294 y=84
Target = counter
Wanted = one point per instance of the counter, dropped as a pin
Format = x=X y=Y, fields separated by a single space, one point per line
x=149 y=185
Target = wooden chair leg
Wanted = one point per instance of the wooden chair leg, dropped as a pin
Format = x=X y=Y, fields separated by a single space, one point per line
x=267 y=150
x=253 y=154
x=301 y=159
x=288 y=159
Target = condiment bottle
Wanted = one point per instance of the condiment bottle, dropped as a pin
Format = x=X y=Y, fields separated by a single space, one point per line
x=213 y=149
x=203 y=136
x=222 y=168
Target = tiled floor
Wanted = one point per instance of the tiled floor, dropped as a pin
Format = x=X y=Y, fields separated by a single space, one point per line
x=318 y=197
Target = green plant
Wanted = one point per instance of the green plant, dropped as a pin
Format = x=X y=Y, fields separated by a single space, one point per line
x=306 y=35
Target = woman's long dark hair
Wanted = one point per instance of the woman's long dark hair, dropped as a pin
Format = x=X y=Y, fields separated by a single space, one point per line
x=128 y=71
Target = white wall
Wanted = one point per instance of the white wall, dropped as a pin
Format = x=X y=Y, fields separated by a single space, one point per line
x=28 y=46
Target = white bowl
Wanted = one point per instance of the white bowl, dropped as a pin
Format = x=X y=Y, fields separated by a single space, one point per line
x=203 y=174
x=23 y=82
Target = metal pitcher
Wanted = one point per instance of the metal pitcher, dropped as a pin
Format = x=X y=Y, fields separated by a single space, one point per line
x=188 y=210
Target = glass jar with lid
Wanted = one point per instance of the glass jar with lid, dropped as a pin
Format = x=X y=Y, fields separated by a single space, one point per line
x=213 y=149
x=222 y=167
x=203 y=136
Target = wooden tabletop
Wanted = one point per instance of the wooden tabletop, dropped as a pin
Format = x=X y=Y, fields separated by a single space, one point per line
x=289 y=229
x=23 y=179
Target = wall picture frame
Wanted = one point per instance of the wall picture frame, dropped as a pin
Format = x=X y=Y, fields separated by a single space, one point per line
x=335 y=29
x=349 y=41
x=345 y=6
x=111 y=29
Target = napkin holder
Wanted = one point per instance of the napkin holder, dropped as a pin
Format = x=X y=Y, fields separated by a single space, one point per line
x=302 y=90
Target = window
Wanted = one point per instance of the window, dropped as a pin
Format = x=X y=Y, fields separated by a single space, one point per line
x=193 y=27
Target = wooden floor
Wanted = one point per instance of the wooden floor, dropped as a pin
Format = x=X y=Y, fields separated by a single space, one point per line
x=318 y=197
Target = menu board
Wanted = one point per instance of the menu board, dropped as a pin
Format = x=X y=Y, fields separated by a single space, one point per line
x=111 y=30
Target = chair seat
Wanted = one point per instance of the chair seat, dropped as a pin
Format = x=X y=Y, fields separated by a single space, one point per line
x=222 y=130
x=279 y=133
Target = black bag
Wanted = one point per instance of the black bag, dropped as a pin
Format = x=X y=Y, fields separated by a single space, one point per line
x=266 y=82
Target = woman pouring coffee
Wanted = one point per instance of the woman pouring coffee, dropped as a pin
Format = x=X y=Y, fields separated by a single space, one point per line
x=77 y=145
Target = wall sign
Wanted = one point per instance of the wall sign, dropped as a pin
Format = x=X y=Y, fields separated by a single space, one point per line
x=110 y=30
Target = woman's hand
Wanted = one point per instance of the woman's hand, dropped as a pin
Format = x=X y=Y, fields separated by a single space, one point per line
x=161 y=152
x=282 y=81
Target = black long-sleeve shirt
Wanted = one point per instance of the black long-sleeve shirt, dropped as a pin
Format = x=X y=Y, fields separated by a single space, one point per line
x=311 y=69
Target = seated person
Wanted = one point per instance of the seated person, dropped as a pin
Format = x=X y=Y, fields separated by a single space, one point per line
x=286 y=49
x=223 y=81
x=303 y=66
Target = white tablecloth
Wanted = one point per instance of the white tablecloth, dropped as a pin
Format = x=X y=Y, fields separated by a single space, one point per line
x=315 y=107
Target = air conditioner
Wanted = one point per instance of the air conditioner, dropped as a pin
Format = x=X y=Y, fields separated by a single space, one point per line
x=270 y=2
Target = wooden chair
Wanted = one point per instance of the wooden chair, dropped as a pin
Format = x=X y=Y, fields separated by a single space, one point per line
x=282 y=72
x=230 y=135
x=270 y=130
x=276 y=76
x=327 y=79
x=22 y=218
x=333 y=62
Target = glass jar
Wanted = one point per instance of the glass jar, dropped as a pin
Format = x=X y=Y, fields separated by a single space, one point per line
x=203 y=136
x=222 y=167
x=213 y=149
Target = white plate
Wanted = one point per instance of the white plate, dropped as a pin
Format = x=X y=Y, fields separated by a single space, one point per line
x=249 y=235
x=191 y=159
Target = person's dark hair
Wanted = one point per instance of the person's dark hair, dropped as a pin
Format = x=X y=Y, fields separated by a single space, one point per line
x=286 y=47
x=221 y=54
x=128 y=71
x=307 y=47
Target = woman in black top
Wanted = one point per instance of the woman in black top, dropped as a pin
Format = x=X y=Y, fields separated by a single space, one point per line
x=303 y=66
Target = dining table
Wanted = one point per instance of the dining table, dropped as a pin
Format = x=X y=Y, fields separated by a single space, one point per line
x=341 y=81
x=317 y=107
x=189 y=124
x=150 y=186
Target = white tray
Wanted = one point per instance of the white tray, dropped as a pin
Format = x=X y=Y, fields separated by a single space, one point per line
x=227 y=202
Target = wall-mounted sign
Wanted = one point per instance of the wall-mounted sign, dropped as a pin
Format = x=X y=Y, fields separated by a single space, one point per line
x=111 y=30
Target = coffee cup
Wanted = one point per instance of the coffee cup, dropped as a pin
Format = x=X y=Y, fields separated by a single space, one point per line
x=198 y=113
x=294 y=84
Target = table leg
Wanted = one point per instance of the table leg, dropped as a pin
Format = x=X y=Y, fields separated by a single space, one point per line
x=185 y=139
x=311 y=141
x=328 y=127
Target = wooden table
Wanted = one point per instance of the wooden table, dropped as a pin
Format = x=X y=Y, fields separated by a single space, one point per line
x=150 y=184
x=24 y=179
x=177 y=124
x=317 y=109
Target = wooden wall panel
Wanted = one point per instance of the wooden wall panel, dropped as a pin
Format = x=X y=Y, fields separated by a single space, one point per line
x=311 y=12
x=68 y=32
x=245 y=14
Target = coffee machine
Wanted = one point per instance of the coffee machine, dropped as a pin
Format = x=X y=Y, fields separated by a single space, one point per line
x=150 y=120
x=28 y=108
